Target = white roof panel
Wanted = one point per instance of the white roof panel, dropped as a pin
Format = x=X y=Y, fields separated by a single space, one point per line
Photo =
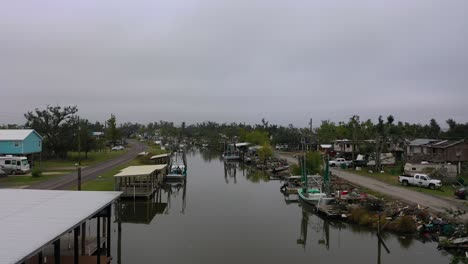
x=140 y=170
x=160 y=156
x=14 y=134
x=32 y=219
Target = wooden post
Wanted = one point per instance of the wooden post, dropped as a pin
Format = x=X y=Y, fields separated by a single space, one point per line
x=76 y=254
x=83 y=238
x=108 y=244
x=98 y=237
x=57 y=252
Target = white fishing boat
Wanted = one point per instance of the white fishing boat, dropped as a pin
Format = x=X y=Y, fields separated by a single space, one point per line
x=177 y=169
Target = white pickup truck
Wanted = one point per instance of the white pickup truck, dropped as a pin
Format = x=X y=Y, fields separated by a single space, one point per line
x=337 y=162
x=419 y=180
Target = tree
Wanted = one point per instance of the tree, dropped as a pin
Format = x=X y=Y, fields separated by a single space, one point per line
x=313 y=162
x=86 y=142
x=355 y=127
x=434 y=129
x=265 y=152
x=57 y=126
x=383 y=130
x=257 y=137
x=112 y=133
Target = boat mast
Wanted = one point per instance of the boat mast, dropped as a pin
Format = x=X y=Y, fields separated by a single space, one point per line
x=304 y=170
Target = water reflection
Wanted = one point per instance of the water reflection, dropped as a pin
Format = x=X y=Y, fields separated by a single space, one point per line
x=209 y=155
x=257 y=176
x=321 y=226
x=230 y=171
x=173 y=190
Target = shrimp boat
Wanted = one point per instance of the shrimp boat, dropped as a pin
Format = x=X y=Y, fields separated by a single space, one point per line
x=231 y=153
x=315 y=196
x=178 y=168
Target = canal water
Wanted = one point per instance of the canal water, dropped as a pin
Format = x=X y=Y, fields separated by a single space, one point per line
x=226 y=214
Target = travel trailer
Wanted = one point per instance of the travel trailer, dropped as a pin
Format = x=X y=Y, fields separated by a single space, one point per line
x=17 y=165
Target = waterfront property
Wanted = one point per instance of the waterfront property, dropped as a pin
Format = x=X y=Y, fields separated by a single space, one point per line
x=20 y=142
x=44 y=226
x=161 y=158
x=140 y=181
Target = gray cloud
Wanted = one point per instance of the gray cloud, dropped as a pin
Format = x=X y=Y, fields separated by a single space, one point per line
x=228 y=61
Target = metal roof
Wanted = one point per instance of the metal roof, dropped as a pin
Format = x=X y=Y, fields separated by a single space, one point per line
x=160 y=156
x=16 y=134
x=32 y=219
x=421 y=141
x=140 y=170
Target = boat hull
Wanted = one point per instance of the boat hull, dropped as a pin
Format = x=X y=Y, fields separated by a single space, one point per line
x=314 y=198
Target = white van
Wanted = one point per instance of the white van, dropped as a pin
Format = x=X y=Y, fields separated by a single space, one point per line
x=15 y=164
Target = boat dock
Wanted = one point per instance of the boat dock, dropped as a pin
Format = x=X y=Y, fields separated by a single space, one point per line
x=140 y=181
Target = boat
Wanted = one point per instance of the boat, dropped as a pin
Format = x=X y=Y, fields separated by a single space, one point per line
x=294 y=183
x=315 y=196
x=231 y=153
x=280 y=168
x=177 y=169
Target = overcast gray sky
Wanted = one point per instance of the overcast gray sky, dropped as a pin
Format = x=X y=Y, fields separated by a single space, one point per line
x=286 y=61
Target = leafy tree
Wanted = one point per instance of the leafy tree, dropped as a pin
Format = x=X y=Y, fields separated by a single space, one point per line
x=57 y=126
x=86 y=141
x=265 y=152
x=313 y=162
x=112 y=133
x=257 y=137
x=383 y=130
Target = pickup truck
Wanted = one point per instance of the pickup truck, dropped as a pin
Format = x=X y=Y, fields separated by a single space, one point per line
x=419 y=180
x=337 y=162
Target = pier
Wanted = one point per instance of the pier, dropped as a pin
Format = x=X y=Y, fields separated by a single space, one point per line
x=140 y=181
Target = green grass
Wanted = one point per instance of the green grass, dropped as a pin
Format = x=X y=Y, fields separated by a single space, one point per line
x=72 y=159
x=155 y=149
x=445 y=190
x=21 y=180
x=60 y=167
x=105 y=182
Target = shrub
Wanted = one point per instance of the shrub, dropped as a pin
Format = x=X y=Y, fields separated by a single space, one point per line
x=36 y=172
x=404 y=224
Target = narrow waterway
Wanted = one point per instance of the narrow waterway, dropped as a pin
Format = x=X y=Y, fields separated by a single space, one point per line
x=224 y=214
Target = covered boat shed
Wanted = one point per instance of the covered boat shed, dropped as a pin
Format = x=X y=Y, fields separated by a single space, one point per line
x=140 y=181
x=33 y=221
x=161 y=158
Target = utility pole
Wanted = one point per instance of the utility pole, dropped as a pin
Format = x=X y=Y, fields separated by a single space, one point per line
x=78 y=167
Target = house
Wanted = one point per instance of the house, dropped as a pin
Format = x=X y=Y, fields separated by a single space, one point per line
x=20 y=142
x=438 y=150
x=418 y=147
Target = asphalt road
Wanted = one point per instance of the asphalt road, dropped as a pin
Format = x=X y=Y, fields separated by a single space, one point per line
x=408 y=194
x=92 y=172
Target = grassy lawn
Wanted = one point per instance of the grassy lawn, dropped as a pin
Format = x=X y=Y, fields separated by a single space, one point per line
x=155 y=149
x=105 y=182
x=72 y=159
x=446 y=190
x=23 y=180
x=56 y=168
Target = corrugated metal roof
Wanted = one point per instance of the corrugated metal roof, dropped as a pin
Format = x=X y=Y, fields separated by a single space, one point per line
x=140 y=170
x=15 y=134
x=446 y=143
x=421 y=141
x=160 y=156
x=32 y=219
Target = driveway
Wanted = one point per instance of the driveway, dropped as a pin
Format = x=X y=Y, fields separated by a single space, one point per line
x=408 y=194
x=68 y=181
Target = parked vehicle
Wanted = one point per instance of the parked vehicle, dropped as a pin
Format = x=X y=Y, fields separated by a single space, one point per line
x=420 y=180
x=7 y=171
x=15 y=164
x=339 y=161
x=118 y=148
x=281 y=147
x=460 y=193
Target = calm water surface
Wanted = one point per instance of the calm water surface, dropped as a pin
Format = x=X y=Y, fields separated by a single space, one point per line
x=226 y=215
